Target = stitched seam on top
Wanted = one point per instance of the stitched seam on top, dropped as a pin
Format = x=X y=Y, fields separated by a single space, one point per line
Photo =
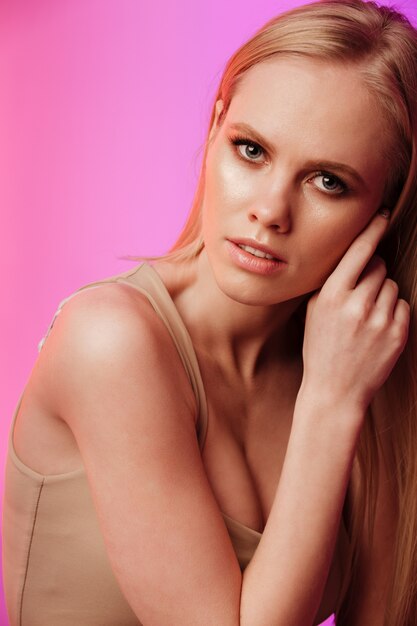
x=28 y=555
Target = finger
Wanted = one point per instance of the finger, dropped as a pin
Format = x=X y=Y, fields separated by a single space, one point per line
x=371 y=279
x=402 y=322
x=352 y=264
x=387 y=297
x=402 y=313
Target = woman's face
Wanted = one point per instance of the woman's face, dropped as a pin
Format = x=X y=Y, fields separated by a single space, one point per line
x=297 y=165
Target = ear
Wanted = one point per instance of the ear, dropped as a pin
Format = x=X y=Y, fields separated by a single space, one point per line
x=218 y=108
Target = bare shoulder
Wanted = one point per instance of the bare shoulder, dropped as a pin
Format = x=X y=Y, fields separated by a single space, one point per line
x=120 y=386
x=109 y=335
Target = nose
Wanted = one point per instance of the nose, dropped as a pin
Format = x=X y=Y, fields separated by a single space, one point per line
x=272 y=208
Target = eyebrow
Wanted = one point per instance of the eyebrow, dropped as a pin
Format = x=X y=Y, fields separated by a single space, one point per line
x=319 y=165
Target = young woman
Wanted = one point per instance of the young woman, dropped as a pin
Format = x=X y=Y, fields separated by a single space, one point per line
x=227 y=435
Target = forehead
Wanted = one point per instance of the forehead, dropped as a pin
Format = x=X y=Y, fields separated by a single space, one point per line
x=325 y=107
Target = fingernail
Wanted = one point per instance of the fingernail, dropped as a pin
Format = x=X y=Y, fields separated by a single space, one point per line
x=385 y=213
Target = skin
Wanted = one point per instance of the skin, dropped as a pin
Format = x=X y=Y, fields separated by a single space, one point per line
x=279 y=200
x=356 y=327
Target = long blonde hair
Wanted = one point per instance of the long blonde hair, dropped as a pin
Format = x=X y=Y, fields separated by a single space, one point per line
x=383 y=45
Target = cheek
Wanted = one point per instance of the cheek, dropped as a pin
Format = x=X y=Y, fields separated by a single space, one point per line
x=227 y=183
x=327 y=250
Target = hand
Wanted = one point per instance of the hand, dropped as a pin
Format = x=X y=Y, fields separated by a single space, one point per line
x=356 y=326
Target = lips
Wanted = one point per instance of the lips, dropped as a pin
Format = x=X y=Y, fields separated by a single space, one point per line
x=256 y=252
x=242 y=258
x=252 y=243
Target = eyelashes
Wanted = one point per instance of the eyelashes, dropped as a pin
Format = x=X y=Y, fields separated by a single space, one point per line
x=239 y=140
x=335 y=186
x=331 y=184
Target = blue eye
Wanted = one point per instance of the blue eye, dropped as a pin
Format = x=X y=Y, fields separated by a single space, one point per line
x=252 y=150
x=330 y=184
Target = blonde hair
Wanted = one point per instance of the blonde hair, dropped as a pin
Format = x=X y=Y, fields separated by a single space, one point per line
x=383 y=45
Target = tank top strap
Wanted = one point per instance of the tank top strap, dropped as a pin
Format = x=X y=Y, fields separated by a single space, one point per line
x=145 y=279
x=91 y=285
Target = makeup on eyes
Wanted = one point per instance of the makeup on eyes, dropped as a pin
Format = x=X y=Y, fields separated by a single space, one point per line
x=238 y=140
x=343 y=188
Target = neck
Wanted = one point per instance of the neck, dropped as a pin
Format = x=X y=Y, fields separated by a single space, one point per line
x=241 y=338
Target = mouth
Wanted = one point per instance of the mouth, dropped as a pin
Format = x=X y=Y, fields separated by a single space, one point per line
x=257 y=249
x=255 y=252
x=254 y=259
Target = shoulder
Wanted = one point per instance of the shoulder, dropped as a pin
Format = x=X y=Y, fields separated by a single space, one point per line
x=120 y=386
x=110 y=335
x=113 y=318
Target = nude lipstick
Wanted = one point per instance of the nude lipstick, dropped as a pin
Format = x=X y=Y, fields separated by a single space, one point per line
x=248 y=260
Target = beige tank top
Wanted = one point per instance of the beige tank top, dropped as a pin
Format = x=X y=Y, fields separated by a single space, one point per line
x=55 y=565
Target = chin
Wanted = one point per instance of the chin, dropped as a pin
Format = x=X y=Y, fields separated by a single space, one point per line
x=249 y=291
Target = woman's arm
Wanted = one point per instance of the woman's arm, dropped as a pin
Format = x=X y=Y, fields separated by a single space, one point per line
x=121 y=387
x=356 y=328
x=117 y=380
x=284 y=582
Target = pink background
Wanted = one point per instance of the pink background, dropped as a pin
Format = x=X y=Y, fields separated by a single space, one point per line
x=103 y=109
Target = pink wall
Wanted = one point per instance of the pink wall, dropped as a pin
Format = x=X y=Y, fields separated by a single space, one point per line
x=101 y=100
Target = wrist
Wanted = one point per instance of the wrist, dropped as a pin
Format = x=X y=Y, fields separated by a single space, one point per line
x=323 y=408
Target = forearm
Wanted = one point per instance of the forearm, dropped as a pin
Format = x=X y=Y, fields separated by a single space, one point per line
x=284 y=582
